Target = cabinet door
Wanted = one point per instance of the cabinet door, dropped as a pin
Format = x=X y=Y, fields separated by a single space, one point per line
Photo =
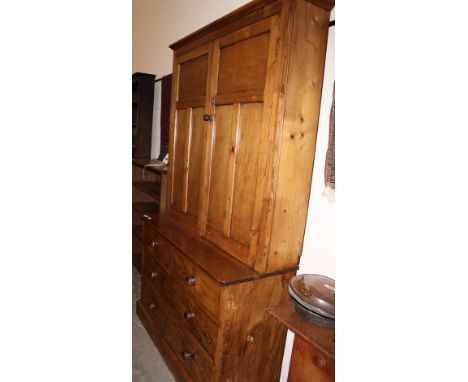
x=242 y=74
x=187 y=134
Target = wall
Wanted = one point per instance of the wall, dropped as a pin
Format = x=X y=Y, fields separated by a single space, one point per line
x=157 y=24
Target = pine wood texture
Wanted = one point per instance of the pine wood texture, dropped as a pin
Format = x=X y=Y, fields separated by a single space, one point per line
x=214 y=330
x=321 y=338
x=313 y=355
x=241 y=176
x=243 y=123
x=309 y=365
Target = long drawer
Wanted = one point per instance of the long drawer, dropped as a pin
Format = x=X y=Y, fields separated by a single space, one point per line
x=184 y=275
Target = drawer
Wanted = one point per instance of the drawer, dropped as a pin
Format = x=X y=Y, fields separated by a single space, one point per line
x=187 y=311
x=136 y=219
x=155 y=276
x=198 y=286
x=189 y=352
x=196 y=322
x=158 y=248
x=154 y=306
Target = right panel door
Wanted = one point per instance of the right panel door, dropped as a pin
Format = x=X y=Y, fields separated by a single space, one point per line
x=243 y=76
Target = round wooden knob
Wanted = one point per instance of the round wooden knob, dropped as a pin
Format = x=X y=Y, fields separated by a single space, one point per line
x=320 y=362
x=190 y=280
x=154 y=244
x=187 y=355
x=154 y=274
x=189 y=315
x=152 y=305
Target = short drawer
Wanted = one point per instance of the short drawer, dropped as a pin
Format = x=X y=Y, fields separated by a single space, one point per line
x=153 y=305
x=155 y=276
x=158 y=248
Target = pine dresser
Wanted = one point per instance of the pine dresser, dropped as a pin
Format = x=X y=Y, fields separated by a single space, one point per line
x=244 y=114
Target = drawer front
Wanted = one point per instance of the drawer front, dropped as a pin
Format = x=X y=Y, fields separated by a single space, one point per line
x=154 y=306
x=189 y=352
x=309 y=364
x=158 y=248
x=155 y=276
x=195 y=321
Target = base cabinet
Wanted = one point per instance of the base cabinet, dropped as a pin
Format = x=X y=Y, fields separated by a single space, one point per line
x=208 y=328
x=245 y=104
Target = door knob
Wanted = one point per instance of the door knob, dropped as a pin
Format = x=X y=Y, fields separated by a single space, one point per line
x=207 y=117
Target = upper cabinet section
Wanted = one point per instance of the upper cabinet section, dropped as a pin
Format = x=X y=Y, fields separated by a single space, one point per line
x=247 y=94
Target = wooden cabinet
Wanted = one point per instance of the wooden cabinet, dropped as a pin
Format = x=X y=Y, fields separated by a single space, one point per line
x=205 y=310
x=313 y=354
x=244 y=114
x=142 y=114
x=246 y=96
x=148 y=197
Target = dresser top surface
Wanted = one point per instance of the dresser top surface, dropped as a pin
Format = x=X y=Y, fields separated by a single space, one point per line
x=222 y=267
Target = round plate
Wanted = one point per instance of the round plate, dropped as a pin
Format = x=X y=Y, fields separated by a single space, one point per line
x=314 y=292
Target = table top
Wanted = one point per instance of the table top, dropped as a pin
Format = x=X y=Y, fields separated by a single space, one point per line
x=141 y=162
x=321 y=338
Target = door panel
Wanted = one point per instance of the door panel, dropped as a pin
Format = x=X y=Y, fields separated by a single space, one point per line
x=246 y=171
x=181 y=141
x=242 y=65
x=188 y=134
x=192 y=80
x=222 y=157
x=195 y=161
x=240 y=133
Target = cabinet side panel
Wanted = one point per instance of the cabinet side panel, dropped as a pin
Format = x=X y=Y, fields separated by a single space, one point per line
x=252 y=343
x=300 y=123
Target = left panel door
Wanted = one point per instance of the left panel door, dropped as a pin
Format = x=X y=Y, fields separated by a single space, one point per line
x=187 y=135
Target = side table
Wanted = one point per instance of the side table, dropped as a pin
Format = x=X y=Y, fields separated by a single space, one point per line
x=313 y=354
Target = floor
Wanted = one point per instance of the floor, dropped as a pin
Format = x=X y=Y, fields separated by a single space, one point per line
x=147 y=363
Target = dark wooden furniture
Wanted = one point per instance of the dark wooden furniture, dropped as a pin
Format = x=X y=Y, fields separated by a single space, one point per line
x=313 y=355
x=166 y=86
x=148 y=197
x=142 y=114
x=244 y=114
